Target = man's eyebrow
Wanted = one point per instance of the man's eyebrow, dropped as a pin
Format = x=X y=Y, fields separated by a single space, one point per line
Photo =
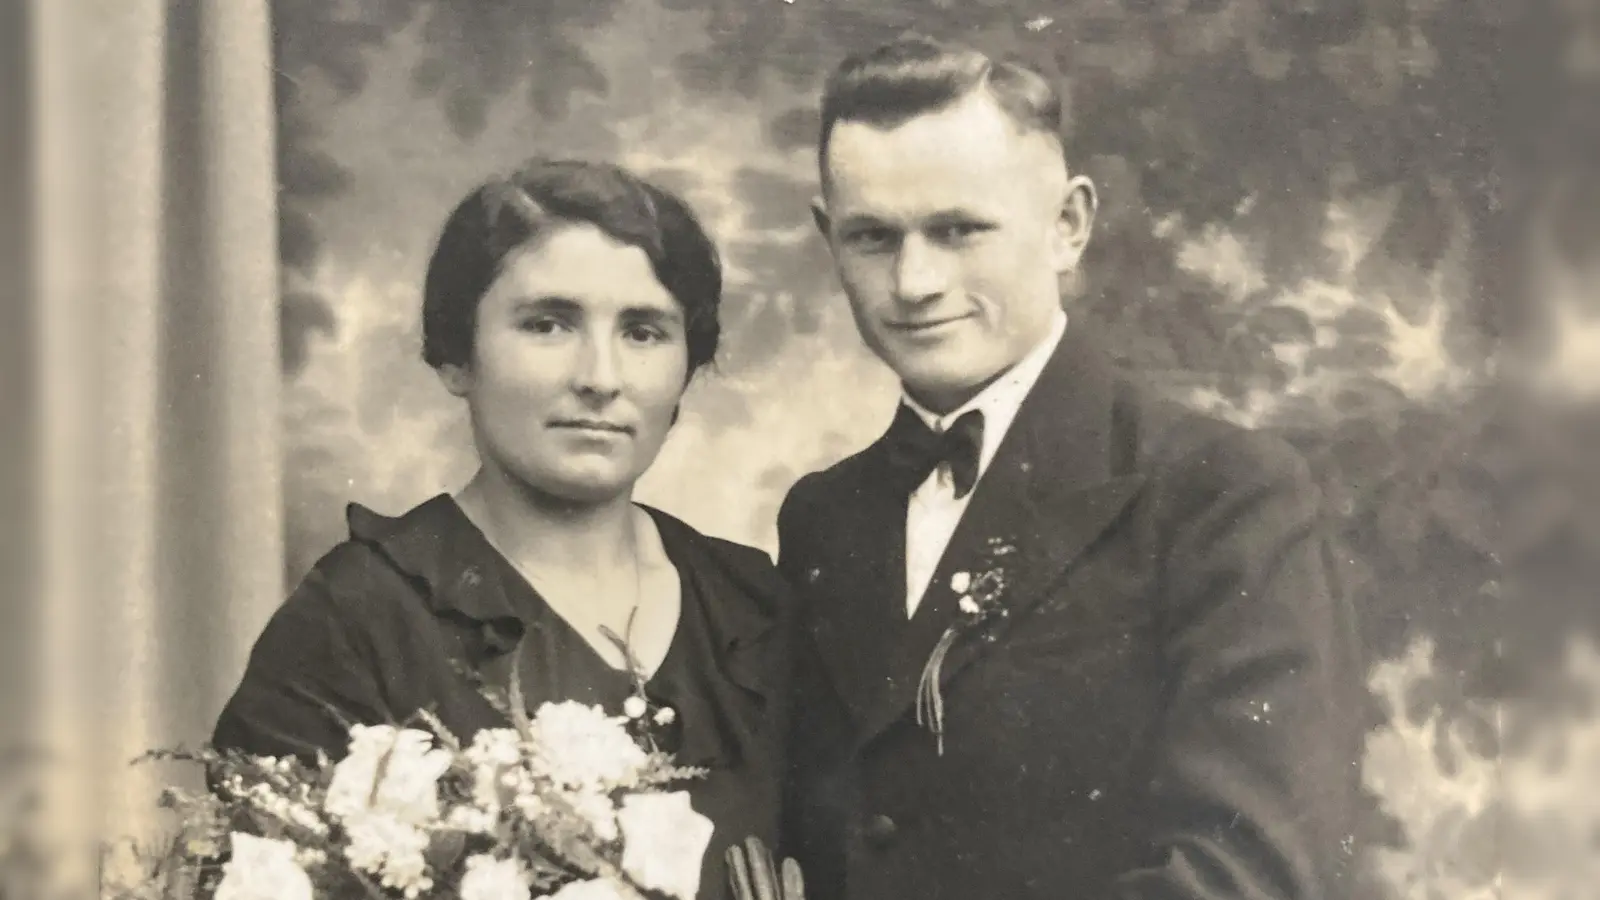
x=864 y=220
x=959 y=213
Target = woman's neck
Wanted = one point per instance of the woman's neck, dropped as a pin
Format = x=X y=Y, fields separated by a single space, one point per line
x=542 y=532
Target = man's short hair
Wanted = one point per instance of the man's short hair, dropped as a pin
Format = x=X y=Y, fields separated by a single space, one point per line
x=916 y=75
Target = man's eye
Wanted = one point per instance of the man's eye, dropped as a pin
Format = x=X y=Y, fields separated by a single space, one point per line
x=871 y=239
x=956 y=232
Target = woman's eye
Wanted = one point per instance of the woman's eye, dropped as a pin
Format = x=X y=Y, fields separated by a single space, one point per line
x=541 y=325
x=645 y=334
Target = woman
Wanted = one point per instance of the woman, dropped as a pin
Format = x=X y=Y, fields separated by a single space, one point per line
x=568 y=306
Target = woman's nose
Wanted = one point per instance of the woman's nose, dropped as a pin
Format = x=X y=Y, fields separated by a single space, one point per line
x=596 y=373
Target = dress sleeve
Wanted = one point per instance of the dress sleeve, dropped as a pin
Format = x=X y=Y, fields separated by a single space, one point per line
x=311 y=673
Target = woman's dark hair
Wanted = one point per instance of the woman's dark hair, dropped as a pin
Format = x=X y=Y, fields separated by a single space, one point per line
x=505 y=214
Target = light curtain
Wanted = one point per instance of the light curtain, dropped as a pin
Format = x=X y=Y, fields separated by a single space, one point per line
x=156 y=377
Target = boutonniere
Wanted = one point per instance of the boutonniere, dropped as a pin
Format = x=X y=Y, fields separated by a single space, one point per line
x=979 y=605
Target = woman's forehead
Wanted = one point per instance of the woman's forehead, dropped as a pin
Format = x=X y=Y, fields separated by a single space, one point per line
x=583 y=264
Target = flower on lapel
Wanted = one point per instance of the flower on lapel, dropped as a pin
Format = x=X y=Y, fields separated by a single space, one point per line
x=979 y=603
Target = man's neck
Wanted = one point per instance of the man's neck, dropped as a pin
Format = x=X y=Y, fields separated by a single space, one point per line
x=941 y=404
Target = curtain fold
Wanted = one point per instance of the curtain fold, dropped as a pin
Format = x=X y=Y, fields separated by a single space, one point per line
x=158 y=498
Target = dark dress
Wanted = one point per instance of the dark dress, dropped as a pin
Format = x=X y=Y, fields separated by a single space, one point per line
x=384 y=622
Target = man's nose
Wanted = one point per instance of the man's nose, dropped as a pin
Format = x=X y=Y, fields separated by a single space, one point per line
x=596 y=374
x=919 y=272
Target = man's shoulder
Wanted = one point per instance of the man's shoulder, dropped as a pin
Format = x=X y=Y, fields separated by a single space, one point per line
x=835 y=482
x=1206 y=455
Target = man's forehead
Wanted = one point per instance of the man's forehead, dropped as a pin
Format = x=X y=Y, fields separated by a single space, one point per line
x=970 y=145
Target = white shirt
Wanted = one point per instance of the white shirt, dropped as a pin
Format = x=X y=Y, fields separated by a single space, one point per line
x=934 y=510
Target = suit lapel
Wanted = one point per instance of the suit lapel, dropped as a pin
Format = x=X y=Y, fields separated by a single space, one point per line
x=1053 y=487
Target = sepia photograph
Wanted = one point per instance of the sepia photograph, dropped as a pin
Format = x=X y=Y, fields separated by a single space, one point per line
x=802 y=450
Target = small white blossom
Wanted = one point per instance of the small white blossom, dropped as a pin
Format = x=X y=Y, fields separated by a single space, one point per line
x=666 y=715
x=390 y=850
x=493 y=754
x=581 y=747
x=270 y=801
x=961 y=582
x=664 y=842
x=263 y=869
x=597 y=811
x=635 y=707
x=410 y=767
x=488 y=878
x=597 y=889
x=970 y=606
x=471 y=819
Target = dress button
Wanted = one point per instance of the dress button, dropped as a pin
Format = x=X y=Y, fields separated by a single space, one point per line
x=880 y=830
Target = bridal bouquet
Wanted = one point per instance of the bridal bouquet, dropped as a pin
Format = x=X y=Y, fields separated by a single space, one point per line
x=566 y=804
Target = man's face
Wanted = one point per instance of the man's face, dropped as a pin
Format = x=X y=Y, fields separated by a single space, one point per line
x=950 y=232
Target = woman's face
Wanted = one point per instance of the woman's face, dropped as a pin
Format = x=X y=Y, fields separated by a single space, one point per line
x=579 y=362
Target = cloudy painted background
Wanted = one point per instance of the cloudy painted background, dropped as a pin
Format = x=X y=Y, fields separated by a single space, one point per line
x=1296 y=201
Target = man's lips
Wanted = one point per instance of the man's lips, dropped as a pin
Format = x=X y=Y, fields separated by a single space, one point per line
x=591 y=425
x=925 y=325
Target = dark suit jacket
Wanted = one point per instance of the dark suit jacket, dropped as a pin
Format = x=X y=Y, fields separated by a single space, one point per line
x=1166 y=711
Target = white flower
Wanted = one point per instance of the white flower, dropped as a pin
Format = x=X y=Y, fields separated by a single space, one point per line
x=270 y=801
x=597 y=811
x=471 y=819
x=263 y=869
x=666 y=715
x=961 y=582
x=390 y=850
x=581 y=747
x=635 y=707
x=970 y=606
x=663 y=842
x=493 y=754
x=596 y=889
x=488 y=878
x=410 y=767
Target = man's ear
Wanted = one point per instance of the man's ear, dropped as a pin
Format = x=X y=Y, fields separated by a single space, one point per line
x=1074 y=222
x=457 y=379
x=819 y=215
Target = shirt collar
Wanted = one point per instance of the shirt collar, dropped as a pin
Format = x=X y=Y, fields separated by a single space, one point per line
x=1000 y=401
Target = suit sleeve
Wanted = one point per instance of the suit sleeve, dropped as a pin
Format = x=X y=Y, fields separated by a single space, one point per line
x=308 y=678
x=1255 y=780
x=814 y=810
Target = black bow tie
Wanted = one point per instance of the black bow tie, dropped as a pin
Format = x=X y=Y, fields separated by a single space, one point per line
x=915 y=450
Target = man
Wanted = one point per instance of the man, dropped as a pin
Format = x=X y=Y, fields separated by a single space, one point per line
x=1156 y=704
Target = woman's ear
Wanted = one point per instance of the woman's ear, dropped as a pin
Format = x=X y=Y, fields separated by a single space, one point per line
x=457 y=379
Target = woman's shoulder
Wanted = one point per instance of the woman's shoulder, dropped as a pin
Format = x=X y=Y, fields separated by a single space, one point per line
x=751 y=567
x=382 y=556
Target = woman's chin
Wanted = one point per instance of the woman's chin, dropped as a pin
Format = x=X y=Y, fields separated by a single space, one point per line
x=589 y=486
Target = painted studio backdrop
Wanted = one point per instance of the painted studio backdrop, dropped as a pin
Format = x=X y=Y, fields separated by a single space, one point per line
x=1295 y=197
